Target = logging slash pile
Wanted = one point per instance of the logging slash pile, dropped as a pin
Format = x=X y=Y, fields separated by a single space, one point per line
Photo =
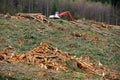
x=36 y=16
x=48 y=57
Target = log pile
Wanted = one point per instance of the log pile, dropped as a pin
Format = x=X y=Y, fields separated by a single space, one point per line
x=36 y=16
x=44 y=56
x=48 y=57
x=104 y=25
x=92 y=65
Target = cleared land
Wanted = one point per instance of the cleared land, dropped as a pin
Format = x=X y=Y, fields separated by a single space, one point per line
x=82 y=38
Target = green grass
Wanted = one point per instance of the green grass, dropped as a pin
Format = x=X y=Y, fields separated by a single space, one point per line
x=106 y=50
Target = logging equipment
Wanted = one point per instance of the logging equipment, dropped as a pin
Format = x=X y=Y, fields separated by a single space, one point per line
x=58 y=15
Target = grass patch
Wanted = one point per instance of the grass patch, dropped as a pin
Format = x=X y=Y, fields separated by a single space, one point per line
x=101 y=46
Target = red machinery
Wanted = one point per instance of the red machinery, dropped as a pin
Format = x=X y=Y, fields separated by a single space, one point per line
x=58 y=15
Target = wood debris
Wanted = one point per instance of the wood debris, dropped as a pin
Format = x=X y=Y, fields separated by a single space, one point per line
x=44 y=55
x=36 y=16
x=104 y=25
x=21 y=41
x=76 y=34
x=1 y=15
x=91 y=65
x=48 y=57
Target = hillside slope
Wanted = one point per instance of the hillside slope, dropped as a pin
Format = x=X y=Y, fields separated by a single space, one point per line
x=80 y=38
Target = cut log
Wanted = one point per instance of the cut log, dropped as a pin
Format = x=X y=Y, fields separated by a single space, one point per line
x=36 y=16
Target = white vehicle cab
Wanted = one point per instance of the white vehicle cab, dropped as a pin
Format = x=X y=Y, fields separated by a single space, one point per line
x=55 y=16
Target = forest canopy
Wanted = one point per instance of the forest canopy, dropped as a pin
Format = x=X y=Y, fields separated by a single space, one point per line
x=100 y=10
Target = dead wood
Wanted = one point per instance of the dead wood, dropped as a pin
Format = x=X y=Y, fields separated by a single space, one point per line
x=36 y=16
x=48 y=57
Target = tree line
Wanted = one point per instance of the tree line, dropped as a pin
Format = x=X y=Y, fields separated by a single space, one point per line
x=100 y=10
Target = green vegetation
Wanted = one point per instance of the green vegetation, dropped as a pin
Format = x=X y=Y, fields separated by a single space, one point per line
x=103 y=46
